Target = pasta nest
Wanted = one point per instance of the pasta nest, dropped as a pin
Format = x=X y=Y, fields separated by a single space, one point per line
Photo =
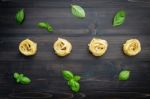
x=62 y=47
x=132 y=47
x=28 y=47
x=98 y=47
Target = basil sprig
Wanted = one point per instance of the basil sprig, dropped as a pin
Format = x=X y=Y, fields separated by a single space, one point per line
x=124 y=75
x=45 y=25
x=73 y=81
x=78 y=11
x=20 y=78
x=119 y=18
x=20 y=16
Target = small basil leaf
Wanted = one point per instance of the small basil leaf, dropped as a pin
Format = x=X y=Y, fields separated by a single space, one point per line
x=20 y=76
x=16 y=75
x=25 y=80
x=75 y=86
x=78 y=11
x=119 y=18
x=18 y=80
x=20 y=16
x=124 y=75
x=76 y=78
x=50 y=29
x=45 y=25
x=70 y=82
x=67 y=74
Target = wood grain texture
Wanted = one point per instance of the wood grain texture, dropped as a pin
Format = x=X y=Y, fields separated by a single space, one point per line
x=99 y=75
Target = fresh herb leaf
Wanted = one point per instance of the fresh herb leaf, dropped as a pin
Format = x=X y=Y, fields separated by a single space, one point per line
x=72 y=80
x=45 y=25
x=25 y=80
x=16 y=75
x=78 y=11
x=119 y=18
x=20 y=78
x=76 y=78
x=124 y=75
x=67 y=74
x=75 y=86
x=20 y=16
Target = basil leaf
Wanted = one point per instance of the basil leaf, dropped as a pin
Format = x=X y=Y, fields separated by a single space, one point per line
x=67 y=74
x=78 y=11
x=119 y=18
x=18 y=80
x=16 y=75
x=45 y=25
x=70 y=82
x=25 y=80
x=76 y=78
x=20 y=16
x=75 y=86
x=20 y=77
x=124 y=75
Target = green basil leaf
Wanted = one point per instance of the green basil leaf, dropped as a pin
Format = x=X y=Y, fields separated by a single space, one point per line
x=20 y=16
x=75 y=86
x=16 y=75
x=119 y=18
x=20 y=76
x=76 y=78
x=70 y=82
x=18 y=80
x=67 y=74
x=50 y=29
x=25 y=80
x=78 y=11
x=45 y=25
x=124 y=75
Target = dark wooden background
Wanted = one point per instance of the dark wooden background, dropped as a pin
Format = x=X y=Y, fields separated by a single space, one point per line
x=99 y=75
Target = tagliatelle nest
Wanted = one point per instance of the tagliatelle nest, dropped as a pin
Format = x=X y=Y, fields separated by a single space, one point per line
x=132 y=47
x=98 y=47
x=28 y=47
x=62 y=47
